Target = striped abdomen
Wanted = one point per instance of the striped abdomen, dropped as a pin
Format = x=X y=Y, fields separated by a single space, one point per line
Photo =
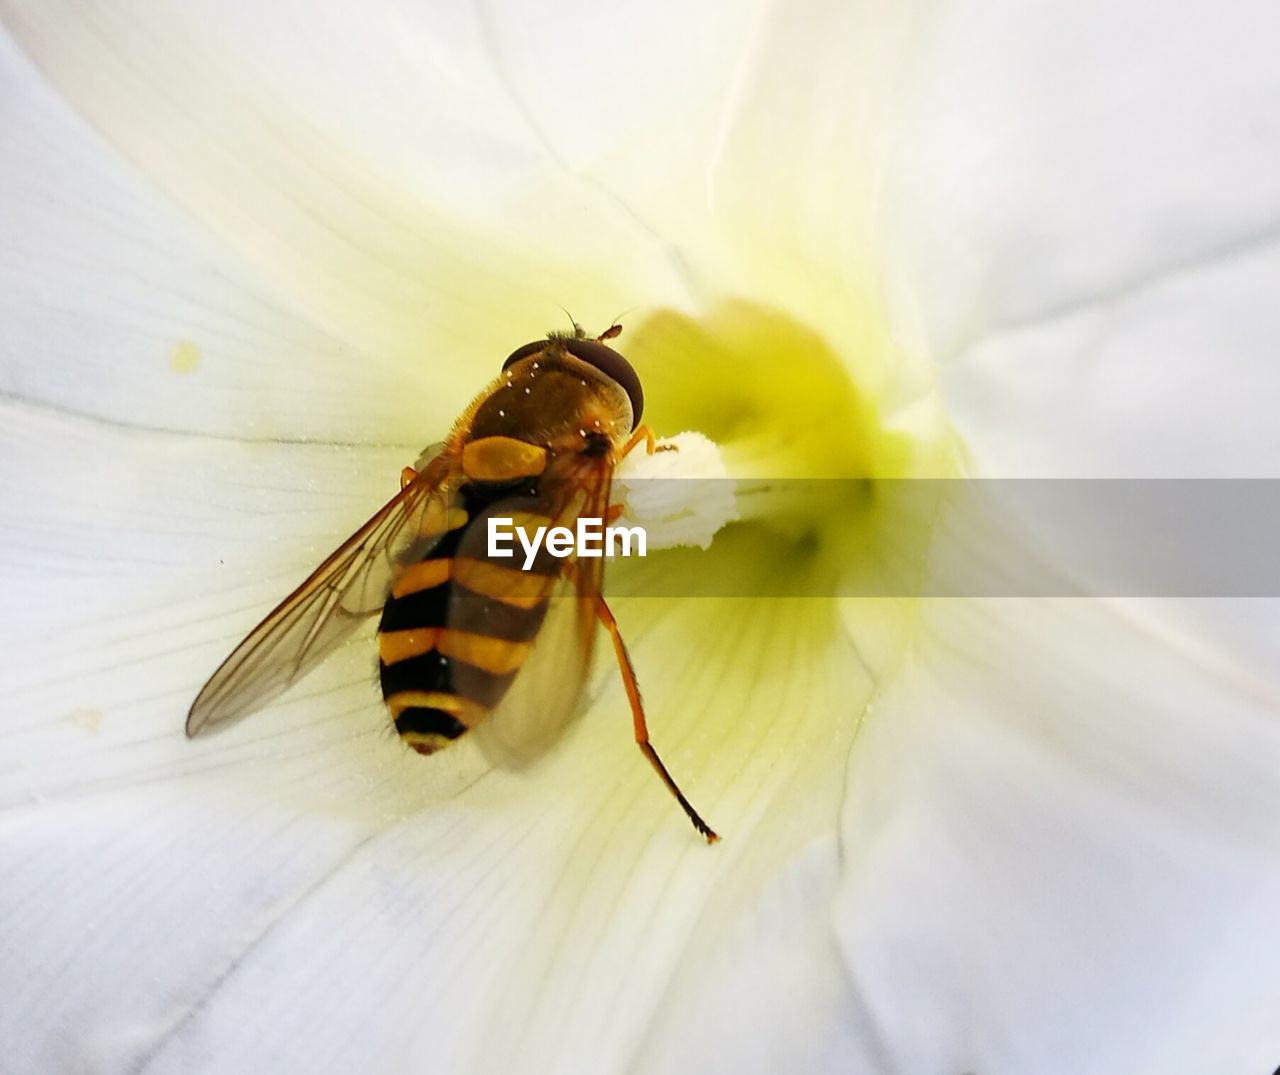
x=455 y=631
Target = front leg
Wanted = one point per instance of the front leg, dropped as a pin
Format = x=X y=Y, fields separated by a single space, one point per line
x=651 y=445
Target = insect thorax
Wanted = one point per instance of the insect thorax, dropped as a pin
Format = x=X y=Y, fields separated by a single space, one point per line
x=556 y=403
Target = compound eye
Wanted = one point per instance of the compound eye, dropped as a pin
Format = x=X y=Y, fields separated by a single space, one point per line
x=613 y=366
x=525 y=351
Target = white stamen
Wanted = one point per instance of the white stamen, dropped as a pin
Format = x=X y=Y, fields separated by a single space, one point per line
x=672 y=511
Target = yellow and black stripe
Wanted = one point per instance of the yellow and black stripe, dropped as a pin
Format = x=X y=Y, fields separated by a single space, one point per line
x=458 y=626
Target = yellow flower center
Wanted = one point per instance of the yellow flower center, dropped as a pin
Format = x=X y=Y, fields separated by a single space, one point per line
x=824 y=437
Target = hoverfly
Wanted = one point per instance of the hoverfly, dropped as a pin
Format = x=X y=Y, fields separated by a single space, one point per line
x=466 y=640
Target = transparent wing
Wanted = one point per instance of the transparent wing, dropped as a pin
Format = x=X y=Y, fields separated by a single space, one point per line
x=346 y=589
x=547 y=692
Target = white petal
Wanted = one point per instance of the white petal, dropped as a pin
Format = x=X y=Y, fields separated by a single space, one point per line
x=1238 y=636
x=770 y=993
x=345 y=226
x=1174 y=380
x=535 y=916
x=1084 y=205
x=116 y=307
x=168 y=888
x=769 y=185
x=1049 y=158
x=132 y=560
x=409 y=922
x=1060 y=842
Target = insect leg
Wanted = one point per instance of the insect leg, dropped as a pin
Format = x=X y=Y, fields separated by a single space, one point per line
x=644 y=433
x=637 y=714
x=407 y=475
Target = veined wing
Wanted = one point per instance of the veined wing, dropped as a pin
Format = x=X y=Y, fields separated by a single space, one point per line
x=546 y=693
x=346 y=589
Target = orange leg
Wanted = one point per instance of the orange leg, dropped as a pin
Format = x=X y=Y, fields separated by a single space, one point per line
x=407 y=475
x=644 y=433
x=637 y=715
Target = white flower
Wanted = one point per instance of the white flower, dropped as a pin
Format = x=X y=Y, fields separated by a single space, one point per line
x=254 y=258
